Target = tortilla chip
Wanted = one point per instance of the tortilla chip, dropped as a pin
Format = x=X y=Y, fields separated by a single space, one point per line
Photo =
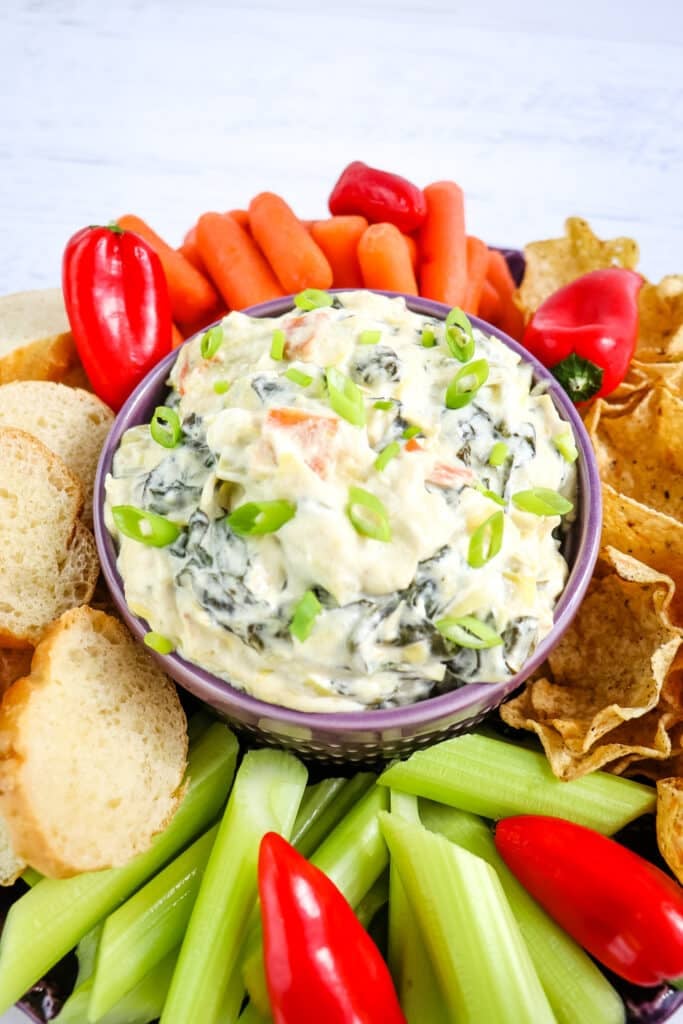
x=649 y=375
x=639 y=448
x=660 y=335
x=608 y=672
x=554 y=263
x=670 y=823
x=647 y=535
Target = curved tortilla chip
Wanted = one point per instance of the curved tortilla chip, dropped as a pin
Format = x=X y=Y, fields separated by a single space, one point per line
x=553 y=263
x=670 y=823
x=660 y=334
x=639 y=448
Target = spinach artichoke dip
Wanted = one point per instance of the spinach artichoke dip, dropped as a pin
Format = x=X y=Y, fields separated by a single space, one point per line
x=350 y=506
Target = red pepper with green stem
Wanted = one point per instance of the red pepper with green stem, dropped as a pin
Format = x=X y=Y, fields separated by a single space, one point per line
x=622 y=909
x=118 y=306
x=586 y=332
x=321 y=965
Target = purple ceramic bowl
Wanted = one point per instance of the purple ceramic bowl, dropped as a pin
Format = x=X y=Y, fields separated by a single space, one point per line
x=361 y=735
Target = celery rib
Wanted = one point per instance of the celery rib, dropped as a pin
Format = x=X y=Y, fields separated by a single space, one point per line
x=265 y=797
x=497 y=779
x=141 y=1005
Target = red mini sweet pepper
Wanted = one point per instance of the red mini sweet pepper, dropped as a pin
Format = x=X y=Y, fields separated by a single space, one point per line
x=586 y=332
x=321 y=965
x=621 y=908
x=117 y=302
x=378 y=196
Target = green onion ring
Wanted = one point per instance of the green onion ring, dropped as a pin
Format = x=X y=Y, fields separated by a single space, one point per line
x=541 y=501
x=211 y=341
x=277 y=345
x=157 y=642
x=306 y=612
x=298 y=377
x=427 y=338
x=468 y=631
x=369 y=337
x=486 y=541
x=466 y=384
x=165 y=427
x=386 y=455
x=498 y=454
x=566 y=446
x=384 y=404
x=256 y=518
x=313 y=298
x=221 y=387
x=368 y=515
x=345 y=397
x=147 y=527
x=459 y=337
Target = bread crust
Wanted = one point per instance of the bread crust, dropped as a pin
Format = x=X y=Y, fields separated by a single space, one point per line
x=45 y=359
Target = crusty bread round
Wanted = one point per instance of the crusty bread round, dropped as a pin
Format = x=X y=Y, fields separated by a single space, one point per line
x=93 y=748
x=35 y=341
x=11 y=866
x=48 y=560
x=72 y=423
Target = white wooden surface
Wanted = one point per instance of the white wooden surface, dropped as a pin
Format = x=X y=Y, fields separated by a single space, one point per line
x=167 y=109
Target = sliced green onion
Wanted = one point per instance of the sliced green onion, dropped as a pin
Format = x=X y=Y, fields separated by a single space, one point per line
x=256 y=518
x=427 y=338
x=466 y=384
x=566 y=446
x=345 y=397
x=541 y=501
x=384 y=404
x=147 y=527
x=468 y=631
x=498 y=454
x=490 y=494
x=368 y=515
x=277 y=345
x=369 y=337
x=486 y=541
x=459 y=335
x=165 y=427
x=211 y=342
x=221 y=386
x=386 y=455
x=313 y=298
x=411 y=432
x=299 y=377
x=307 y=610
x=157 y=642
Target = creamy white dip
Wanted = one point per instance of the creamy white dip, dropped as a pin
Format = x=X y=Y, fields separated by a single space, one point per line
x=250 y=433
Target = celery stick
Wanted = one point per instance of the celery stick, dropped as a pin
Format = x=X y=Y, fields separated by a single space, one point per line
x=322 y=824
x=409 y=961
x=141 y=1005
x=479 y=955
x=198 y=724
x=373 y=901
x=31 y=877
x=315 y=802
x=86 y=954
x=575 y=987
x=266 y=796
x=148 y=926
x=497 y=779
x=48 y=920
x=354 y=855
x=250 y=1015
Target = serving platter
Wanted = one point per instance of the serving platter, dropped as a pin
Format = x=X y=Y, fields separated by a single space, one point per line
x=647 y=1006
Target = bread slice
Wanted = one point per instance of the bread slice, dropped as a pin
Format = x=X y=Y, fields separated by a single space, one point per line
x=48 y=560
x=13 y=665
x=11 y=866
x=35 y=340
x=72 y=423
x=93 y=748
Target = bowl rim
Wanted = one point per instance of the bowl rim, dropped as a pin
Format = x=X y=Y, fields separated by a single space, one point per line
x=214 y=690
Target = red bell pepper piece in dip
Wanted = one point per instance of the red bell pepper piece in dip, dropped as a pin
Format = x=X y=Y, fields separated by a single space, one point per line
x=622 y=909
x=118 y=306
x=586 y=332
x=378 y=196
x=321 y=964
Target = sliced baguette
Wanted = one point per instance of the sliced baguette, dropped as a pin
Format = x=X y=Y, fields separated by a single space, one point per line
x=48 y=560
x=93 y=748
x=35 y=341
x=11 y=866
x=72 y=423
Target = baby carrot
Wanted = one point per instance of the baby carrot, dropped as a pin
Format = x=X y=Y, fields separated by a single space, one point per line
x=192 y=295
x=477 y=265
x=241 y=216
x=489 y=304
x=338 y=237
x=385 y=260
x=498 y=274
x=296 y=259
x=240 y=271
x=190 y=251
x=176 y=336
x=412 y=249
x=443 y=244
